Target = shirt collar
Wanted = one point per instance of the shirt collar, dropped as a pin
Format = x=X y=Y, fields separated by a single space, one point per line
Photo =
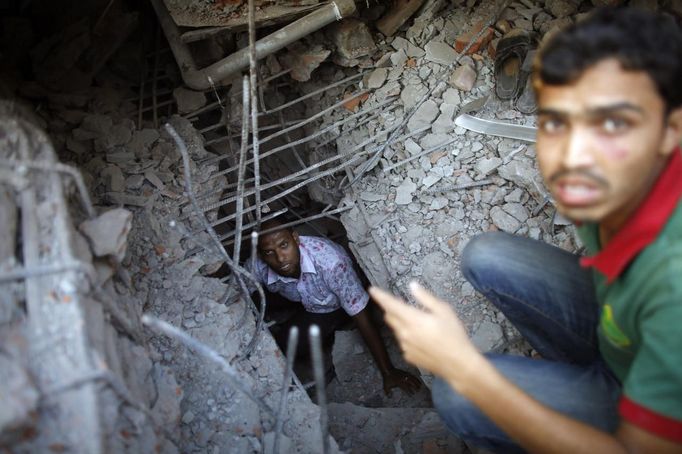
x=644 y=225
x=307 y=266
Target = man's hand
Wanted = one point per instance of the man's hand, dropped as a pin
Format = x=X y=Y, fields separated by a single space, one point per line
x=396 y=378
x=432 y=337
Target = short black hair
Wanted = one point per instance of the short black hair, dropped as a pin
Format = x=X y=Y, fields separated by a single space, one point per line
x=640 y=40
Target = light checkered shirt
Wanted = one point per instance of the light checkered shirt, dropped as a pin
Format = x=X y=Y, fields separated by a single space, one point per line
x=327 y=280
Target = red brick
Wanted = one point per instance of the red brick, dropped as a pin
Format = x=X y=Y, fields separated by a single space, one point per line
x=463 y=40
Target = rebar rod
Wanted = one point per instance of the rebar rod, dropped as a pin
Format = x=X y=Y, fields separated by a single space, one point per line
x=207 y=352
x=250 y=225
x=421 y=154
x=297 y=222
x=320 y=385
x=263 y=304
x=237 y=271
x=19 y=273
x=253 y=84
x=74 y=173
x=314 y=93
x=239 y=205
x=305 y=139
x=292 y=343
x=294 y=149
x=310 y=168
x=302 y=123
x=143 y=70
x=458 y=187
x=155 y=112
x=233 y=232
x=440 y=77
x=291 y=189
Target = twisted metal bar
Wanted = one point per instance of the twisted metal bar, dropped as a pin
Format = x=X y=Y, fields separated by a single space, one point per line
x=242 y=170
x=237 y=271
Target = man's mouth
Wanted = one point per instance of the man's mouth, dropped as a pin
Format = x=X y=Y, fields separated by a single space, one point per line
x=577 y=192
x=285 y=267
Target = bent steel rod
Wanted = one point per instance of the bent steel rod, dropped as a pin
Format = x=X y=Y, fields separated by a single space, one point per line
x=305 y=139
x=242 y=170
x=302 y=123
x=307 y=170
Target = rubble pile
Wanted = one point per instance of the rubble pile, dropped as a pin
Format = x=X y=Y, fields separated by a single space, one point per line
x=141 y=169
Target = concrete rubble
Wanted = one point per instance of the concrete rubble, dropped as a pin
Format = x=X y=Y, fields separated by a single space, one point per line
x=411 y=209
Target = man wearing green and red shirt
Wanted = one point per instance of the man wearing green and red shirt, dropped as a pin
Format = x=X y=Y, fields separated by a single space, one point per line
x=608 y=326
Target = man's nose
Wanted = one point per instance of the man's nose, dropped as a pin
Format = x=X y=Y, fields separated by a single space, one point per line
x=281 y=256
x=577 y=150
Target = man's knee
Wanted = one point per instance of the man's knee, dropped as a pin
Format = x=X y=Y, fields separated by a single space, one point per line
x=452 y=408
x=482 y=254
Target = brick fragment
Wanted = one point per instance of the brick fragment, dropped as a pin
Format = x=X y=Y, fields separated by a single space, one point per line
x=463 y=40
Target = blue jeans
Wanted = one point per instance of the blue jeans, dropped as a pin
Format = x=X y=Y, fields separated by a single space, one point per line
x=551 y=300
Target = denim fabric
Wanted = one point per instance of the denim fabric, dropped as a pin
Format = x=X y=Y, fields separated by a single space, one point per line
x=550 y=299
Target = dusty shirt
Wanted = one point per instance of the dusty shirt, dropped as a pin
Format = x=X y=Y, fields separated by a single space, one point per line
x=327 y=282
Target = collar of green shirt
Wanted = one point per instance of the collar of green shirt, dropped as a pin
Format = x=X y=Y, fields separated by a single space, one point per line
x=644 y=225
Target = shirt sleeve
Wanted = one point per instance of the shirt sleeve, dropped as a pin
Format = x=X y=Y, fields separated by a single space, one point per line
x=345 y=283
x=652 y=389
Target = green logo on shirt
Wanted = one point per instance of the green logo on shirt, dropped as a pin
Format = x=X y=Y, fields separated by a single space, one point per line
x=611 y=330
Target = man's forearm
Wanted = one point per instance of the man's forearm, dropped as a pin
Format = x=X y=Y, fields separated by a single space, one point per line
x=373 y=341
x=533 y=425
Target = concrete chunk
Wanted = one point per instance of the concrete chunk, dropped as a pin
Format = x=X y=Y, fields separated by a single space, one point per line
x=108 y=233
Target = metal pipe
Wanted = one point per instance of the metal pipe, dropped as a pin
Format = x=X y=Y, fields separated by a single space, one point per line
x=198 y=79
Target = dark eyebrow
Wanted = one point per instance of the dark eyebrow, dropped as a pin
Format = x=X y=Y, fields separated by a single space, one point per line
x=612 y=108
x=596 y=111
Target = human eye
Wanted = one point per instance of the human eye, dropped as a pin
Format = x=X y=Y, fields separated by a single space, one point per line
x=614 y=125
x=551 y=125
x=284 y=244
x=268 y=253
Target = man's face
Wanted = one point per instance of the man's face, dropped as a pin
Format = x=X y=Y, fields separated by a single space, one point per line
x=602 y=141
x=279 y=250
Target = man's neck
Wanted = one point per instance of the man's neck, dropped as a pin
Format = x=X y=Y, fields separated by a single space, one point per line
x=610 y=226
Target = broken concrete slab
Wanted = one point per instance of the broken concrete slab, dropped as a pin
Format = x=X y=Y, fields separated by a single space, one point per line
x=423 y=116
x=404 y=192
x=377 y=78
x=108 y=233
x=352 y=38
x=503 y=220
x=440 y=52
x=412 y=93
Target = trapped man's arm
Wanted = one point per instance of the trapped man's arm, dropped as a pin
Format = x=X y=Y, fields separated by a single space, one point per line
x=391 y=376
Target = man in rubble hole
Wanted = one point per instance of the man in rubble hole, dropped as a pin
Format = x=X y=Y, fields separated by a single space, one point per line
x=319 y=274
x=608 y=326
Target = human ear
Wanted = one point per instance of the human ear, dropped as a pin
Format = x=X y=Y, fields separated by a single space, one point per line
x=673 y=132
x=294 y=235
